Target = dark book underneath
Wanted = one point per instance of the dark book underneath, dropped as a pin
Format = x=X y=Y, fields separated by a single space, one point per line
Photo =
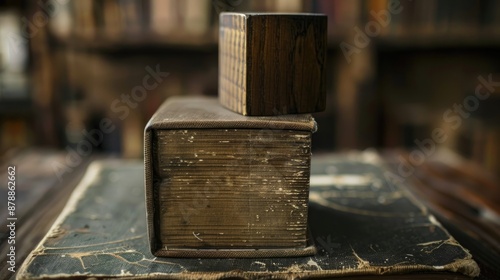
x=220 y=184
x=362 y=225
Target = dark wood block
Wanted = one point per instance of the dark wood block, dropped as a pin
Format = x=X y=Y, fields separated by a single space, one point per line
x=218 y=181
x=272 y=64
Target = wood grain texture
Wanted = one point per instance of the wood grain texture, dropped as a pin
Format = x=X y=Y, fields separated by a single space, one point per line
x=272 y=64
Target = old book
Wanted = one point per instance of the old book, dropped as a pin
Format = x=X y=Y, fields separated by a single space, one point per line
x=37 y=186
x=196 y=17
x=165 y=16
x=222 y=184
x=364 y=228
x=272 y=64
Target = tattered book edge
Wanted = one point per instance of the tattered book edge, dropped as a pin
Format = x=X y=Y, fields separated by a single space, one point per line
x=467 y=267
x=309 y=250
x=91 y=174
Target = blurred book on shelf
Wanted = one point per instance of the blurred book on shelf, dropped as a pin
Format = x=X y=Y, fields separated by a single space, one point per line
x=479 y=139
x=15 y=95
x=433 y=92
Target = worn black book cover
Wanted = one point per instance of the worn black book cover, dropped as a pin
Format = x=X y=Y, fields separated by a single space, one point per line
x=363 y=225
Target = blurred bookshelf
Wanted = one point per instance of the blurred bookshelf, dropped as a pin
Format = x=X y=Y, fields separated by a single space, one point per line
x=16 y=106
x=424 y=58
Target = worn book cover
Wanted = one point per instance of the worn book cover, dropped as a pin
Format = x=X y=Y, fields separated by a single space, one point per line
x=362 y=225
x=219 y=184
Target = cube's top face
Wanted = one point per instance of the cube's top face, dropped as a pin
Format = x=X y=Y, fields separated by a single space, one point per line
x=272 y=64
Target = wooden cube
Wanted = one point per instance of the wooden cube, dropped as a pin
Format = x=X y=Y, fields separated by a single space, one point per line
x=220 y=184
x=272 y=64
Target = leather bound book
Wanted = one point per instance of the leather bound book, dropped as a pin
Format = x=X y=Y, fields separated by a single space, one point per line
x=363 y=227
x=222 y=184
x=272 y=64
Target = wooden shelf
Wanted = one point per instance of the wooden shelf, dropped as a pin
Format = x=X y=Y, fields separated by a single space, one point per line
x=16 y=108
x=439 y=41
x=209 y=42
x=137 y=43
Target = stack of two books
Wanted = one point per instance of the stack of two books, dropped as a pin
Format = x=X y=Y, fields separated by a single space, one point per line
x=230 y=177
